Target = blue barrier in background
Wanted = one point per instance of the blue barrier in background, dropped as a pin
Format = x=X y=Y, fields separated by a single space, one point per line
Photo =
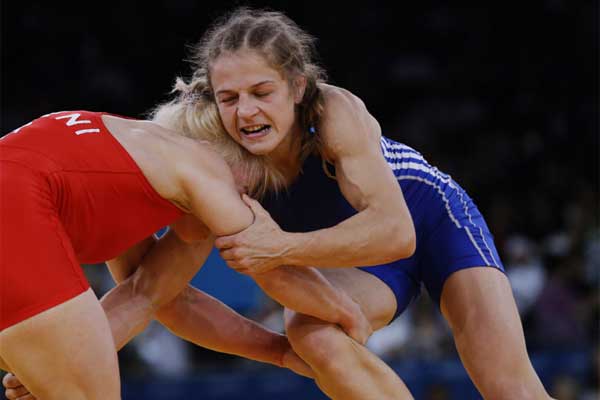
x=236 y=290
x=265 y=383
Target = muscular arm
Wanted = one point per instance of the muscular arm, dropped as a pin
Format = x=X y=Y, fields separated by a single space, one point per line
x=382 y=231
x=210 y=193
x=163 y=269
x=191 y=314
x=152 y=274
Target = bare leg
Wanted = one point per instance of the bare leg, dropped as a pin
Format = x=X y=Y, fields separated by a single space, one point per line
x=66 y=352
x=479 y=306
x=346 y=370
x=307 y=291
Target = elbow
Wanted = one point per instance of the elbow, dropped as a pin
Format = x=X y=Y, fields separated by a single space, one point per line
x=404 y=243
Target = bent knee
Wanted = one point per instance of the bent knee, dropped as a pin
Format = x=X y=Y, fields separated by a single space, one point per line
x=321 y=344
x=309 y=331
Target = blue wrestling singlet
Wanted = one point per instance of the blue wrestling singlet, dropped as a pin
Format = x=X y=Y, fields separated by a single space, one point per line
x=451 y=232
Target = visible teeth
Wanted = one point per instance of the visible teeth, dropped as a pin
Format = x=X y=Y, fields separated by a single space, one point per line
x=253 y=128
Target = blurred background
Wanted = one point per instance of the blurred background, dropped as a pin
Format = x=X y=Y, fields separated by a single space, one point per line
x=502 y=97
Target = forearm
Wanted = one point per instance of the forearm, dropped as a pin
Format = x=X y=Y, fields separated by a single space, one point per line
x=367 y=238
x=128 y=314
x=168 y=267
x=205 y=321
x=193 y=315
x=162 y=273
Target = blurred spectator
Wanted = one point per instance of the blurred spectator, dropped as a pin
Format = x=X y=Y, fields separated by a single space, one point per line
x=430 y=337
x=165 y=354
x=591 y=390
x=270 y=314
x=560 y=312
x=437 y=392
x=566 y=387
x=390 y=341
x=525 y=271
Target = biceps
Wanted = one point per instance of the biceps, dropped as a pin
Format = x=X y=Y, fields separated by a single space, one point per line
x=222 y=210
x=190 y=229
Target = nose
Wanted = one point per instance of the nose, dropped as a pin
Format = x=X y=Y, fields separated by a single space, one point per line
x=246 y=107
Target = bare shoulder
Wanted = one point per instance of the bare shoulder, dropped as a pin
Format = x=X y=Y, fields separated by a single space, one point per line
x=171 y=162
x=336 y=96
x=346 y=123
x=200 y=159
x=198 y=167
x=181 y=153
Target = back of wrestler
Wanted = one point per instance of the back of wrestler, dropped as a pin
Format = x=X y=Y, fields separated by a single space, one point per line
x=69 y=194
x=95 y=186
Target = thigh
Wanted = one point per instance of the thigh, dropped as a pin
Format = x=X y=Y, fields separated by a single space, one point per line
x=402 y=278
x=480 y=308
x=38 y=267
x=454 y=245
x=64 y=352
x=375 y=298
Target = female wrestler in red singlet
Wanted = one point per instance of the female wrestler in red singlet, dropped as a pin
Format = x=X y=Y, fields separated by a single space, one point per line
x=81 y=187
x=70 y=182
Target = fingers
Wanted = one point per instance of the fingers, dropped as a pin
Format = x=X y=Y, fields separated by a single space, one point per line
x=239 y=267
x=18 y=393
x=10 y=381
x=14 y=389
x=227 y=255
x=254 y=205
x=233 y=254
x=243 y=266
x=225 y=242
x=235 y=260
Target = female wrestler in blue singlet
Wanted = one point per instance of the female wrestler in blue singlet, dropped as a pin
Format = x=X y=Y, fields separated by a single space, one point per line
x=385 y=204
x=451 y=234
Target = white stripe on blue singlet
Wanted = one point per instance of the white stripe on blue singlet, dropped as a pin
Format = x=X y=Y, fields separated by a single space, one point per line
x=440 y=192
x=409 y=164
x=475 y=244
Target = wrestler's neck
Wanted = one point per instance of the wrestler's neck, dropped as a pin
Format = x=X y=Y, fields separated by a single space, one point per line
x=286 y=156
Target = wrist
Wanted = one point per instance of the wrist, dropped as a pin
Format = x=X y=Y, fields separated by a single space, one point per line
x=281 y=346
x=292 y=242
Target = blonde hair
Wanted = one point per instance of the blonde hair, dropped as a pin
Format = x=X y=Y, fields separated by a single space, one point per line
x=288 y=49
x=196 y=117
x=284 y=45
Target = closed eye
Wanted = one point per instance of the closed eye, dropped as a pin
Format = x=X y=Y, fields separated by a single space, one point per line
x=227 y=99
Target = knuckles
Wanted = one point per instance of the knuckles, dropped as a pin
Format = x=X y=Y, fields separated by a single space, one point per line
x=236 y=254
x=244 y=263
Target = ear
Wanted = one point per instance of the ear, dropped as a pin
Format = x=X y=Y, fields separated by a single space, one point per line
x=299 y=88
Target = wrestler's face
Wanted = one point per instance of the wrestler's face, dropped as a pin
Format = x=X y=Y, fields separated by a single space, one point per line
x=256 y=103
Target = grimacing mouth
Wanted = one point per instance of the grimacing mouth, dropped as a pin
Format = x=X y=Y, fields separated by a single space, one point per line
x=254 y=129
